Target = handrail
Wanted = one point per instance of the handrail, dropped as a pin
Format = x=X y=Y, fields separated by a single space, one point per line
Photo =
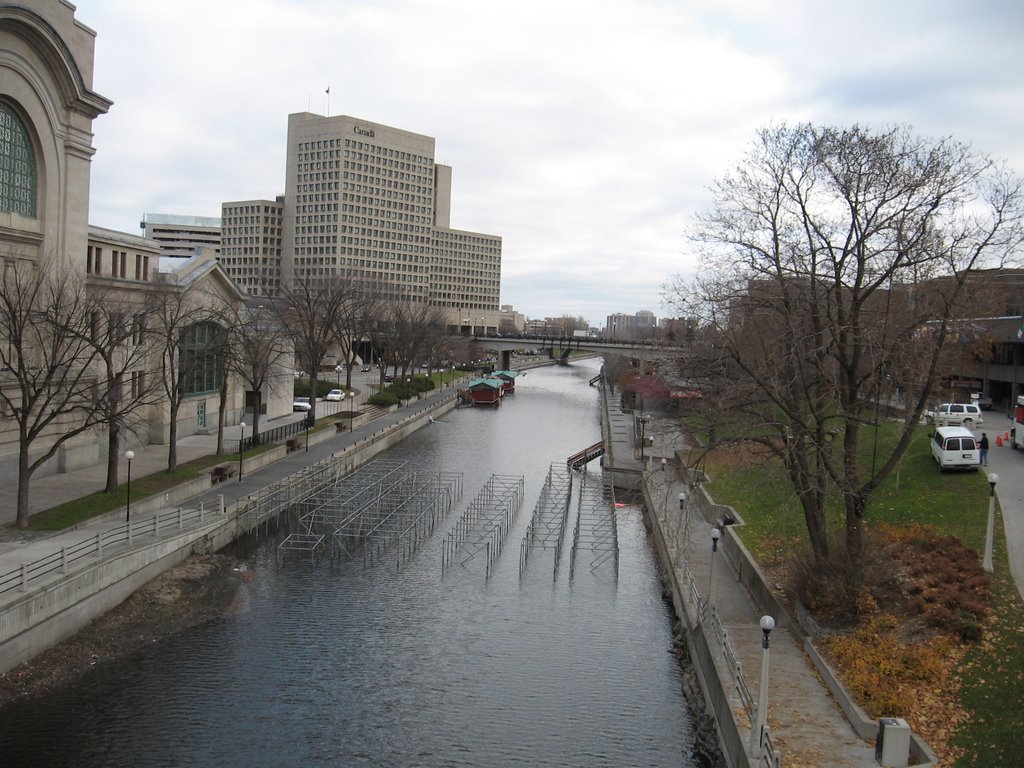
x=735 y=668
x=587 y=454
x=95 y=545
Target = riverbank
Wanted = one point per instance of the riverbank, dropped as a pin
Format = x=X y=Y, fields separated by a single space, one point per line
x=200 y=589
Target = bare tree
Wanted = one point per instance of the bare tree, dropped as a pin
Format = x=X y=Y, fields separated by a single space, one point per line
x=570 y=324
x=834 y=264
x=261 y=346
x=121 y=345
x=308 y=309
x=352 y=323
x=48 y=383
x=189 y=340
x=406 y=329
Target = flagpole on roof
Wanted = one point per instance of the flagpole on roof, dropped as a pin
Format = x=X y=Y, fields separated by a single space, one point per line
x=328 y=101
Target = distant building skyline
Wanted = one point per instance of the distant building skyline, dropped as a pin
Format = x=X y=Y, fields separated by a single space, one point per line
x=623 y=326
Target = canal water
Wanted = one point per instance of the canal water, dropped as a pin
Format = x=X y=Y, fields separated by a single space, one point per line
x=411 y=665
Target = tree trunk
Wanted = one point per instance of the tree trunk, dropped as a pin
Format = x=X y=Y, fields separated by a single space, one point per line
x=312 y=397
x=257 y=401
x=856 y=504
x=24 y=477
x=221 y=413
x=113 y=449
x=172 y=449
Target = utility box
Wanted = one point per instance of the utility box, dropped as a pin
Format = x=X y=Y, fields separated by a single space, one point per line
x=892 y=745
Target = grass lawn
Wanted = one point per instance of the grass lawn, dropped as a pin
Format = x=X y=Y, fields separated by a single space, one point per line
x=987 y=680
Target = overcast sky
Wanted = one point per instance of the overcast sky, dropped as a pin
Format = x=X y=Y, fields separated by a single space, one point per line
x=585 y=133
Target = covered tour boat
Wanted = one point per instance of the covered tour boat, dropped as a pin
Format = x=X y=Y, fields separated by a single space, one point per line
x=508 y=379
x=485 y=391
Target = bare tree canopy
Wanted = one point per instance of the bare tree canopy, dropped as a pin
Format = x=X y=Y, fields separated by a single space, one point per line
x=835 y=264
x=48 y=383
x=309 y=310
x=122 y=347
x=258 y=350
x=185 y=331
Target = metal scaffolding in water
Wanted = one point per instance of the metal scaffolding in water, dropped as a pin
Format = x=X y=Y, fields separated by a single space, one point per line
x=401 y=519
x=595 y=528
x=482 y=528
x=370 y=511
x=550 y=516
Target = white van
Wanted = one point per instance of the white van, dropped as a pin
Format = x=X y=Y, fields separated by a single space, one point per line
x=958 y=415
x=955 y=448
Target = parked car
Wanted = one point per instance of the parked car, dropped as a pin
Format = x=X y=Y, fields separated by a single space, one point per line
x=365 y=369
x=336 y=394
x=981 y=400
x=957 y=415
x=955 y=448
x=388 y=378
x=302 y=404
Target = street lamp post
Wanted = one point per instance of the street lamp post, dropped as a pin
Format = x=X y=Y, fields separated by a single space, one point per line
x=680 y=522
x=643 y=435
x=760 y=716
x=993 y=478
x=715 y=536
x=128 y=496
x=351 y=409
x=241 y=445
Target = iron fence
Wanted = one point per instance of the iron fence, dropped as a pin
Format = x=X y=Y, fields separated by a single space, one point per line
x=96 y=545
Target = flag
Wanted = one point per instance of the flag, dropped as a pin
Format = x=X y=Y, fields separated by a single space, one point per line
x=328 y=91
x=1020 y=332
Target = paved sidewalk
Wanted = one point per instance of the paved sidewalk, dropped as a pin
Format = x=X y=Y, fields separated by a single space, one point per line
x=807 y=726
x=1008 y=464
x=51 y=490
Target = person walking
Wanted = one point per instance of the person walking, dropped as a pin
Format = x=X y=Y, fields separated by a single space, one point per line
x=983 y=449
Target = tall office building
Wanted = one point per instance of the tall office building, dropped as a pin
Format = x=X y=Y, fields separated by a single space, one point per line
x=251 y=236
x=368 y=201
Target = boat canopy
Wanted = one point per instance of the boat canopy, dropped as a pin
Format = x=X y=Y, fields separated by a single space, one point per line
x=485 y=384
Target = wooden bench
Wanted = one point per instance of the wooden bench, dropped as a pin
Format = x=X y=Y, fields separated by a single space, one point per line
x=339 y=426
x=292 y=444
x=222 y=472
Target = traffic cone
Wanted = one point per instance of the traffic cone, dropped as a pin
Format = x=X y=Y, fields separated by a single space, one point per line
x=999 y=440
x=1006 y=437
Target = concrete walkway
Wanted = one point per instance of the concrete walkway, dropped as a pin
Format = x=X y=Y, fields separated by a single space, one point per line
x=1008 y=464
x=51 y=490
x=807 y=726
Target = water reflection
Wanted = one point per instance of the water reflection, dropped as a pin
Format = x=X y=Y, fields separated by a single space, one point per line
x=350 y=666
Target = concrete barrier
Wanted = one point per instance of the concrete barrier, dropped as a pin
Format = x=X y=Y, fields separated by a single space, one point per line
x=44 y=616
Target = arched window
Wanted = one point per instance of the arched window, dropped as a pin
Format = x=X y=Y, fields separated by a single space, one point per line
x=17 y=166
x=201 y=358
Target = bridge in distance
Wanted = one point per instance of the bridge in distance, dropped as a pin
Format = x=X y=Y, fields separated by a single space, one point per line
x=561 y=346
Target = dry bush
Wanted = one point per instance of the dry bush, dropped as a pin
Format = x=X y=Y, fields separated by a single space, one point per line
x=840 y=591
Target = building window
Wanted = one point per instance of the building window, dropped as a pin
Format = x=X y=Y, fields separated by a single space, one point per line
x=17 y=166
x=202 y=360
